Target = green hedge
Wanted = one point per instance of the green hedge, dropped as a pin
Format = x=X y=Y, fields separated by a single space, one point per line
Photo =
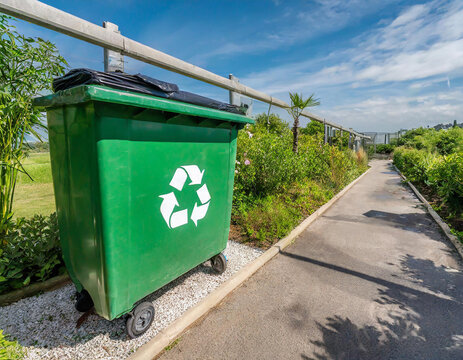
x=435 y=159
x=275 y=188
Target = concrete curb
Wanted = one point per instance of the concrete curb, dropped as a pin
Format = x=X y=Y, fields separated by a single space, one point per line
x=153 y=348
x=445 y=228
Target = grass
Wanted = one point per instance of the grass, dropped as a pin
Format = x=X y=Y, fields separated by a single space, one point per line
x=271 y=218
x=35 y=196
x=172 y=345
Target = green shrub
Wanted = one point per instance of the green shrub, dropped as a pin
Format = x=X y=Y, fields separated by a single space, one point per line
x=313 y=128
x=384 y=148
x=275 y=188
x=447 y=142
x=414 y=163
x=264 y=163
x=10 y=350
x=271 y=218
x=30 y=252
x=445 y=175
x=271 y=123
x=436 y=162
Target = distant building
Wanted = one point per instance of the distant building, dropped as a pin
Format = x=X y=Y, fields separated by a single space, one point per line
x=447 y=126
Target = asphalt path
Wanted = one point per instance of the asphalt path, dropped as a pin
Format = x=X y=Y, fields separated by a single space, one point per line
x=373 y=278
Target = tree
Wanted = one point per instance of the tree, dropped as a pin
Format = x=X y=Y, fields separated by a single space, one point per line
x=27 y=67
x=298 y=104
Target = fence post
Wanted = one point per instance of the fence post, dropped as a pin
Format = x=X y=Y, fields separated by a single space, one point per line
x=234 y=97
x=342 y=139
x=325 y=132
x=113 y=60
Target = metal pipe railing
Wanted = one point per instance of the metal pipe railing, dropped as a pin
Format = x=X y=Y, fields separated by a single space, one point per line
x=49 y=17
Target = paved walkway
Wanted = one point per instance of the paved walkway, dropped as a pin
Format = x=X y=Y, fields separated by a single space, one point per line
x=371 y=279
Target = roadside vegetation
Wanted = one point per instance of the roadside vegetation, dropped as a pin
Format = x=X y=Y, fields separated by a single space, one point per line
x=10 y=350
x=29 y=248
x=433 y=161
x=275 y=188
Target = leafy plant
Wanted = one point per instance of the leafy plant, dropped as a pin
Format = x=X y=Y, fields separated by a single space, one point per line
x=298 y=105
x=27 y=66
x=10 y=350
x=384 y=148
x=275 y=188
x=30 y=252
x=313 y=128
x=270 y=123
x=434 y=159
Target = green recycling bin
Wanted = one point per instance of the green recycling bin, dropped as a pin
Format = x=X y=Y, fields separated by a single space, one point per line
x=143 y=189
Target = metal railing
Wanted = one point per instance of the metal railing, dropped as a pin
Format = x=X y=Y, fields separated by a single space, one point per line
x=49 y=17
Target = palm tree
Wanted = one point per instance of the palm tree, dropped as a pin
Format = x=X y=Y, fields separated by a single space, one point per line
x=298 y=104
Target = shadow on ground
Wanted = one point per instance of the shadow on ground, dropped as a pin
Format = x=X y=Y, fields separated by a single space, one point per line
x=417 y=222
x=420 y=322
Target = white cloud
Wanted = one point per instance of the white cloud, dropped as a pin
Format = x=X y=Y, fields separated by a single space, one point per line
x=420 y=43
x=440 y=58
x=423 y=44
x=397 y=112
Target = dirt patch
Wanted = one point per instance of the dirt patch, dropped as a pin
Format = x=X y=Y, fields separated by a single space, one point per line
x=237 y=234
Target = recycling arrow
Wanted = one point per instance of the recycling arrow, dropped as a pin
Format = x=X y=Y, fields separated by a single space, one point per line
x=199 y=212
x=178 y=218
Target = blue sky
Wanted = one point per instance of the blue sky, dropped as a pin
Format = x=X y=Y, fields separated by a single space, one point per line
x=377 y=65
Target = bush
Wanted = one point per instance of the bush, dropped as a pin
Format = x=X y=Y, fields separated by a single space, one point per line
x=30 y=252
x=445 y=175
x=264 y=163
x=313 y=128
x=447 y=142
x=435 y=159
x=9 y=350
x=384 y=148
x=268 y=219
x=269 y=124
x=271 y=180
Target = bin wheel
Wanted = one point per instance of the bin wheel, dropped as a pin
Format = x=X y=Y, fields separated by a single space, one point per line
x=140 y=319
x=84 y=301
x=219 y=263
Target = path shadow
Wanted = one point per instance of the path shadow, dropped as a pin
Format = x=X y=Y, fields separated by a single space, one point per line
x=417 y=222
x=415 y=324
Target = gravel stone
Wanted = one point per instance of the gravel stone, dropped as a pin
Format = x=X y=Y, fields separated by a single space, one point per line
x=46 y=324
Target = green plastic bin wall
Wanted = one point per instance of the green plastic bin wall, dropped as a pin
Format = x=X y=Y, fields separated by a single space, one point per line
x=143 y=189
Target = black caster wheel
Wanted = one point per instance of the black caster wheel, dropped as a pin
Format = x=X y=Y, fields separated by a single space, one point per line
x=219 y=263
x=140 y=319
x=83 y=301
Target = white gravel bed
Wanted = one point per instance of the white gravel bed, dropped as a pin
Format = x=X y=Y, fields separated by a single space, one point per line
x=46 y=324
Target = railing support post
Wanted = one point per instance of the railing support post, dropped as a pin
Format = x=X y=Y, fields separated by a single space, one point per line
x=234 y=96
x=113 y=60
x=325 y=131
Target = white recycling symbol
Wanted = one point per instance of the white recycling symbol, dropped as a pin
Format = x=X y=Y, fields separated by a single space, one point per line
x=180 y=217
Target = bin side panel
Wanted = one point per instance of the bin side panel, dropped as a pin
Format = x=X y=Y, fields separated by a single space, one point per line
x=75 y=178
x=59 y=156
x=231 y=178
x=166 y=201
